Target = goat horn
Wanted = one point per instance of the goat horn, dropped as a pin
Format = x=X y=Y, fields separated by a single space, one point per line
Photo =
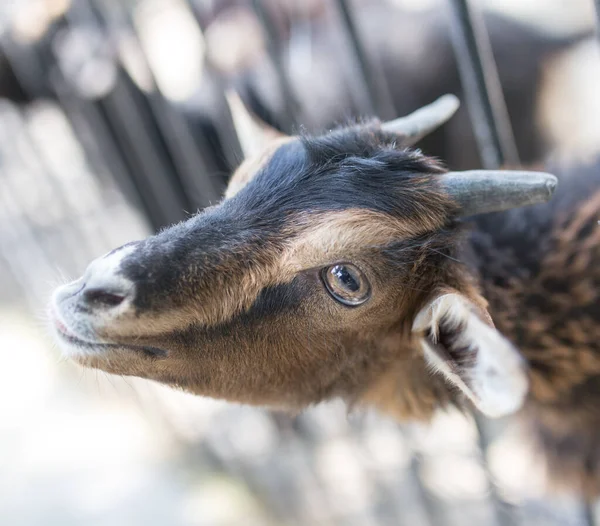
x=484 y=191
x=423 y=121
x=254 y=135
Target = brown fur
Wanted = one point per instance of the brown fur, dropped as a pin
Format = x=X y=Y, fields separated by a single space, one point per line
x=552 y=315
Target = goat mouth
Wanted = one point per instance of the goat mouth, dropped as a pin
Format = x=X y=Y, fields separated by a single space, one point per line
x=66 y=335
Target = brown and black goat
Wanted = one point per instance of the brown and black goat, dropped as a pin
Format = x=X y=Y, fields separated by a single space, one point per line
x=340 y=266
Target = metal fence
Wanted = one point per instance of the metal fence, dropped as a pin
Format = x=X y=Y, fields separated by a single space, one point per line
x=122 y=160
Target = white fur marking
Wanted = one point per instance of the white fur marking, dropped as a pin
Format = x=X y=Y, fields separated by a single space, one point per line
x=102 y=273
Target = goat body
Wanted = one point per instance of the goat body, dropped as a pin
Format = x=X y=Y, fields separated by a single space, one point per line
x=539 y=269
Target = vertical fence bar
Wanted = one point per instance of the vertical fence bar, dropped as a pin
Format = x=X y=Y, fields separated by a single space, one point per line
x=589 y=513
x=378 y=95
x=194 y=171
x=100 y=148
x=597 y=6
x=127 y=113
x=291 y=106
x=481 y=85
x=232 y=148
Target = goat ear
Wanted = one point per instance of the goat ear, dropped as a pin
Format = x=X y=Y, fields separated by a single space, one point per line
x=254 y=135
x=460 y=342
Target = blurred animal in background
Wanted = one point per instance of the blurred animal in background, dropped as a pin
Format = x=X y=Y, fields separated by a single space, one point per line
x=348 y=265
x=414 y=52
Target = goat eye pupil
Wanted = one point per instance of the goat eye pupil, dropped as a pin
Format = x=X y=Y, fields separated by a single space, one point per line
x=346 y=278
x=347 y=284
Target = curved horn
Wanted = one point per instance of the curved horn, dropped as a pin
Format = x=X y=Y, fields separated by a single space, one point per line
x=484 y=191
x=253 y=134
x=415 y=126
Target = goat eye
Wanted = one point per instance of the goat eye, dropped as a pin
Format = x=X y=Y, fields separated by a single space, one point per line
x=346 y=284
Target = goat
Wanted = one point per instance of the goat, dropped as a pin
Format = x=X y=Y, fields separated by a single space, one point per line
x=338 y=266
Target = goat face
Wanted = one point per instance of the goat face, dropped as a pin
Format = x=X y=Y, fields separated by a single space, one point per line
x=310 y=280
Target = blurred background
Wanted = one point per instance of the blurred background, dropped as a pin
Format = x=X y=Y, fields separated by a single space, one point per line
x=114 y=123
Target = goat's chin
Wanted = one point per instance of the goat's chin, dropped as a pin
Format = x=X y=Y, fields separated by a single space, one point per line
x=99 y=354
x=76 y=349
x=73 y=346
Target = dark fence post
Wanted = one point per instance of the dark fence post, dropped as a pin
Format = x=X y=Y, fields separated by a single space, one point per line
x=597 y=5
x=378 y=95
x=291 y=106
x=482 y=87
x=589 y=513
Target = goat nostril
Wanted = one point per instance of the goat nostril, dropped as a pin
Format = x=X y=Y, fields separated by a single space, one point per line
x=102 y=297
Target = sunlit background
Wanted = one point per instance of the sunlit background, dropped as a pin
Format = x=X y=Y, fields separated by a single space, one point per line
x=78 y=447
